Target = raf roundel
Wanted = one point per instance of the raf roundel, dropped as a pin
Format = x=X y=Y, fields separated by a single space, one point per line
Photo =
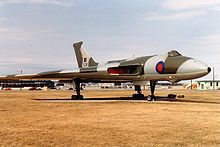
x=160 y=67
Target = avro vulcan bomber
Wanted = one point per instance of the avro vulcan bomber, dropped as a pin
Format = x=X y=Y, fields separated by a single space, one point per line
x=172 y=67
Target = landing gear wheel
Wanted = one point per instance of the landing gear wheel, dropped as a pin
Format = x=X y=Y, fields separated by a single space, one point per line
x=138 y=96
x=77 y=97
x=134 y=96
x=141 y=96
x=150 y=98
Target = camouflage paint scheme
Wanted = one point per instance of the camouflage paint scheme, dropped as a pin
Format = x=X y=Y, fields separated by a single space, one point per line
x=171 y=67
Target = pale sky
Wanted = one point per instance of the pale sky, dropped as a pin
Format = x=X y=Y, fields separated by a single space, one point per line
x=37 y=35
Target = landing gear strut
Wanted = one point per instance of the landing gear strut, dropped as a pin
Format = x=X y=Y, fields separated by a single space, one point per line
x=78 y=96
x=152 y=89
x=139 y=93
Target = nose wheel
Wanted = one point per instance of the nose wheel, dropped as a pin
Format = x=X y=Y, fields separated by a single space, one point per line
x=152 y=90
x=150 y=98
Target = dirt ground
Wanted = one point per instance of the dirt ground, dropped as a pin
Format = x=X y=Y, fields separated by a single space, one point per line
x=108 y=118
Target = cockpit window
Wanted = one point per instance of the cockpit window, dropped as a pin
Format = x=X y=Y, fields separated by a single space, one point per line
x=174 y=53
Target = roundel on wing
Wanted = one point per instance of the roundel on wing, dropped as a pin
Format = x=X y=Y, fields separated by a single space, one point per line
x=160 y=67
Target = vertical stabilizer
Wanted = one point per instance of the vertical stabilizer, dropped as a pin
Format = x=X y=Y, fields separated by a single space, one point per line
x=83 y=58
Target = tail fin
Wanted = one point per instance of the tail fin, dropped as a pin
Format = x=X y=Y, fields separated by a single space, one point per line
x=83 y=58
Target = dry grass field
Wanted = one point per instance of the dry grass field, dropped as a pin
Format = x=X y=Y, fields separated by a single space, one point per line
x=48 y=118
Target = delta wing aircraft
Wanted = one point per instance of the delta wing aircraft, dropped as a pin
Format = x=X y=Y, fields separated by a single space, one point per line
x=172 y=67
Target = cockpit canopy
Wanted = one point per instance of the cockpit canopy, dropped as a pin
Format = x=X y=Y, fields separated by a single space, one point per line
x=173 y=53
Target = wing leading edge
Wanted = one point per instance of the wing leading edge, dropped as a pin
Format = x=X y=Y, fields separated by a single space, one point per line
x=50 y=75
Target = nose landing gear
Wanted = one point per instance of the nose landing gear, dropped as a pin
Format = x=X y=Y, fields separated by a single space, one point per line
x=152 y=89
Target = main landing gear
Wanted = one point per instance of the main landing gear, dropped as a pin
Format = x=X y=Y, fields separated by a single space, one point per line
x=78 y=96
x=139 y=94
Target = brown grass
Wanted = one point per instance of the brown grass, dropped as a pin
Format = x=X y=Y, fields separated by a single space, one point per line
x=25 y=121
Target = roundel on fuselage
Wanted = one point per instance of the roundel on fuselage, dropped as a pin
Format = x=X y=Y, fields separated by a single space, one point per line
x=160 y=67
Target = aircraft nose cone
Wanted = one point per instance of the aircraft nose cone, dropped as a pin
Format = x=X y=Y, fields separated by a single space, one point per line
x=194 y=66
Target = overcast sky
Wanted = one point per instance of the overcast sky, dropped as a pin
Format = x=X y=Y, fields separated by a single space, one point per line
x=37 y=35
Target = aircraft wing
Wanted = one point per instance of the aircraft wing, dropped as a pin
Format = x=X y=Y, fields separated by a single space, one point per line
x=50 y=75
x=90 y=71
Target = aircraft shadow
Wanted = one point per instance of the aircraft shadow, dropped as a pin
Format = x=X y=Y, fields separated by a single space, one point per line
x=130 y=98
x=196 y=101
x=158 y=98
x=106 y=99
